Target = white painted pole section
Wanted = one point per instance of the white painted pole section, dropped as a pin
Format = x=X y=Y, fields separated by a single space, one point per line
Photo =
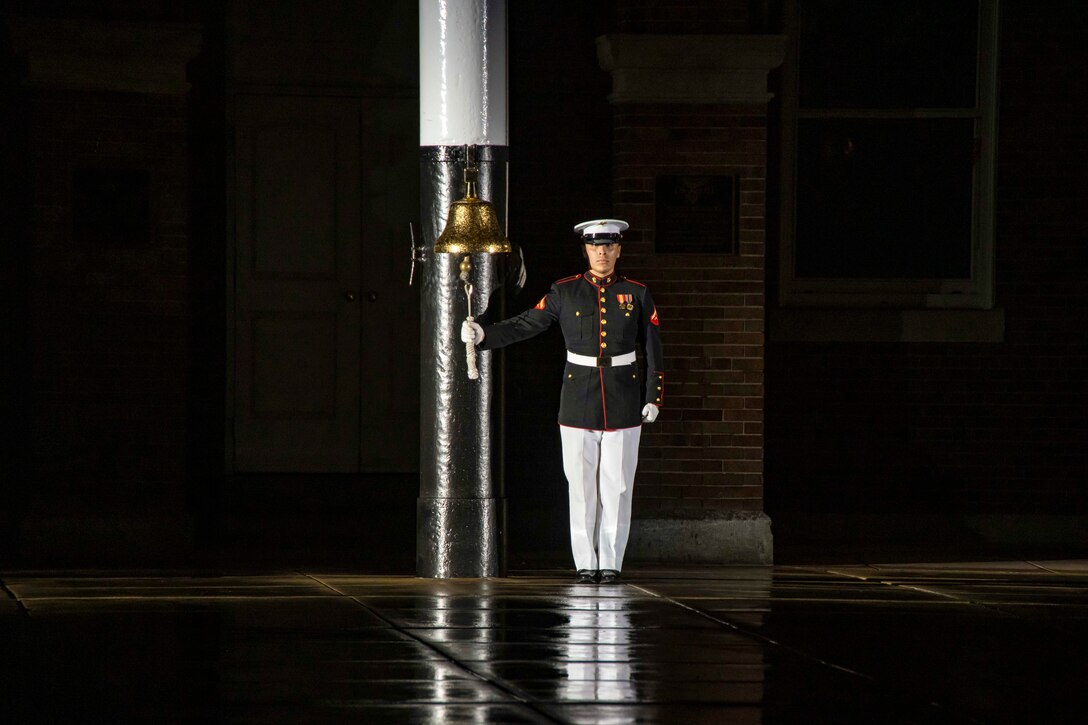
x=462 y=72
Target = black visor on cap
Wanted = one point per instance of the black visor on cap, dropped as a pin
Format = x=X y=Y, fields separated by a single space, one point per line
x=601 y=238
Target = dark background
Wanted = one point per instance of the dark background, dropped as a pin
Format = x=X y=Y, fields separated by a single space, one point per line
x=115 y=368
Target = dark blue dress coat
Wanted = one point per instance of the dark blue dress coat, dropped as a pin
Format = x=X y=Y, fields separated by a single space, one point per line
x=600 y=318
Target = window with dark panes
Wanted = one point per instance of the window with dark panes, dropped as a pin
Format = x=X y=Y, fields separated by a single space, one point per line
x=890 y=112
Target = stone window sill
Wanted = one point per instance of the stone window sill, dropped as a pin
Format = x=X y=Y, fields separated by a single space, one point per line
x=880 y=325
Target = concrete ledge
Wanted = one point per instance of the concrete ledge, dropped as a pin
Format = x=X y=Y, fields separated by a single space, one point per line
x=655 y=68
x=123 y=539
x=880 y=325
x=806 y=537
x=1033 y=529
x=741 y=537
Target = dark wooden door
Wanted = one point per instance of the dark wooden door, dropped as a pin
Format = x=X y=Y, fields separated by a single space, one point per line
x=326 y=331
x=297 y=274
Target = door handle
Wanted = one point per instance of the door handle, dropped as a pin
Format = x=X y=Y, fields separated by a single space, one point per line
x=350 y=295
x=372 y=296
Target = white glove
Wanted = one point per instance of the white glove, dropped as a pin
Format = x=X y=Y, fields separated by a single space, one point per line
x=471 y=332
x=649 y=413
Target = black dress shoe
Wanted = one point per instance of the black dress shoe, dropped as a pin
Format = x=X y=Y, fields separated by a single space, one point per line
x=610 y=576
x=586 y=576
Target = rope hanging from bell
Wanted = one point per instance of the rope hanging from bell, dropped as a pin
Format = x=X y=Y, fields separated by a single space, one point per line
x=472 y=227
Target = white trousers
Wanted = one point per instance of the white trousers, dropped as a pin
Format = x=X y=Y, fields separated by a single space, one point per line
x=600 y=468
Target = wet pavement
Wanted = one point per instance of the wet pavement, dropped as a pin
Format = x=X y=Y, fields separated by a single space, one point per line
x=991 y=642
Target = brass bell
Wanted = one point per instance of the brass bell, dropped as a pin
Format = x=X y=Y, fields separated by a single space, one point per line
x=471 y=225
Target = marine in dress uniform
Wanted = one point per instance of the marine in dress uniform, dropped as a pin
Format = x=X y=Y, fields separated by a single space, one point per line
x=604 y=317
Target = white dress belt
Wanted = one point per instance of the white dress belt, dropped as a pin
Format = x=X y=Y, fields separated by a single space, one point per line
x=601 y=362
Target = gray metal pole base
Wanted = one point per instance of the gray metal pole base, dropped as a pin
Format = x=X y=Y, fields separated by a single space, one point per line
x=460 y=537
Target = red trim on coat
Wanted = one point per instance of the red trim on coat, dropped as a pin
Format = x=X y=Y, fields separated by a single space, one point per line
x=604 y=406
x=600 y=336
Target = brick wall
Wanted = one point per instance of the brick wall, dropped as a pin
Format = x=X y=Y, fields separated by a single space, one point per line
x=15 y=363
x=110 y=324
x=705 y=452
x=968 y=428
x=577 y=157
x=585 y=158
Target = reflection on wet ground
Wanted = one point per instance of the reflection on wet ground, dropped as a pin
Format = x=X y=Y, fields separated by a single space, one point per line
x=1000 y=642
